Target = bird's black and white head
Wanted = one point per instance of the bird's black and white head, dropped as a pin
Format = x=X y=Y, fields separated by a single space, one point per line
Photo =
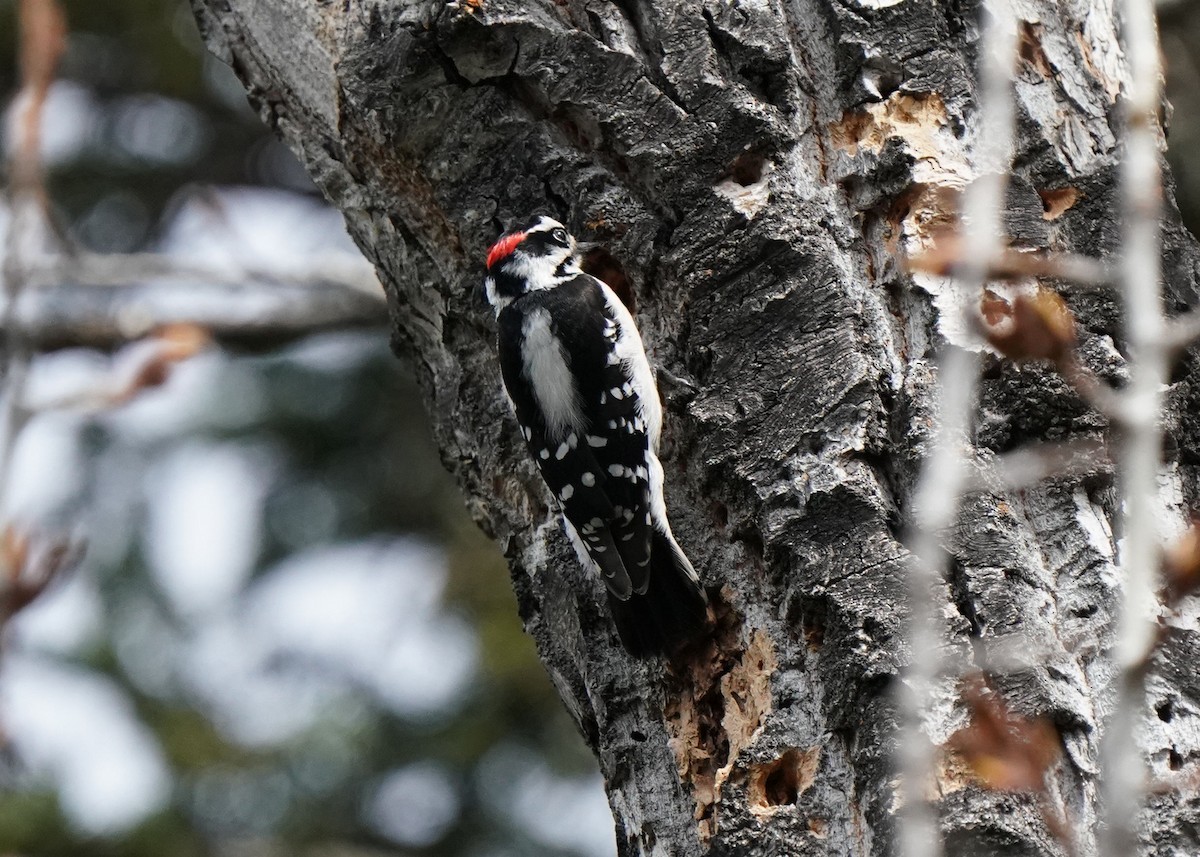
x=539 y=254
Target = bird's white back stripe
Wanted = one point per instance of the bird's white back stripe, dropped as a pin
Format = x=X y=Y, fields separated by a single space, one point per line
x=544 y=361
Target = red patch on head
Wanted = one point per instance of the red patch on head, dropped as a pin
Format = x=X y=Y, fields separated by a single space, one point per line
x=503 y=248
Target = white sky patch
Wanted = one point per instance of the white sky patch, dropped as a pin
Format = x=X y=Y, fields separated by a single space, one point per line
x=236 y=228
x=413 y=805
x=333 y=352
x=157 y=129
x=372 y=610
x=68 y=123
x=359 y=616
x=205 y=507
x=48 y=467
x=147 y=645
x=78 y=729
x=247 y=690
x=64 y=619
x=558 y=811
x=206 y=390
x=62 y=375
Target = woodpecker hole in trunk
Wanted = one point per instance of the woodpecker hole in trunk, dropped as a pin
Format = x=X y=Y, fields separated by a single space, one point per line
x=782 y=781
x=747 y=168
x=604 y=266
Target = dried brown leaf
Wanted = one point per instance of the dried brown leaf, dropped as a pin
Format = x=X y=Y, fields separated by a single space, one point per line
x=43 y=29
x=1056 y=201
x=1181 y=565
x=1005 y=752
x=157 y=356
x=32 y=563
x=181 y=341
x=1032 y=327
x=14 y=549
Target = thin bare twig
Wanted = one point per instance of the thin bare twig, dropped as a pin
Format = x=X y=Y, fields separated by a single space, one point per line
x=1094 y=390
x=1122 y=767
x=949 y=252
x=107 y=317
x=124 y=269
x=1182 y=331
x=42 y=40
x=944 y=474
x=1031 y=465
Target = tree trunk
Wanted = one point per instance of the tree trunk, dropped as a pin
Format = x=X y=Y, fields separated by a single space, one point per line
x=755 y=169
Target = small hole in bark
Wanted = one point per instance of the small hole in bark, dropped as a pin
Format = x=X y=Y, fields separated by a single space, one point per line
x=814 y=632
x=747 y=168
x=1174 y=760
x=781 y=782
x=720 y=513
x=1056 y=201
x=1165 y=711
x=637 y=735
x=604 y=266
x=752 y=539
x=1085 y=612
x=781 y=788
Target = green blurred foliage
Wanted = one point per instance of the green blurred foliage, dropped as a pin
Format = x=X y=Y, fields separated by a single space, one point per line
x=351 y=440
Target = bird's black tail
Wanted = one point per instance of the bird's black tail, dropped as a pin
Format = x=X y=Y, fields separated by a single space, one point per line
x=673 y=609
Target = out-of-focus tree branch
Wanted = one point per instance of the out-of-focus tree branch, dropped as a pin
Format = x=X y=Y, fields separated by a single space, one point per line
x=102 y=300
x=945 y=472
x=1123 y=769
x=254 y=316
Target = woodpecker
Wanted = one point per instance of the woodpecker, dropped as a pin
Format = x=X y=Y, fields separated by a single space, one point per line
x=583 y=392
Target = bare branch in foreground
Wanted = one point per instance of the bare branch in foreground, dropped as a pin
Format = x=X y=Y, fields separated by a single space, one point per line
x=1024 y=467
x=944 y=473
x=948 y=256
x=1123 y=774
x=1183 y=330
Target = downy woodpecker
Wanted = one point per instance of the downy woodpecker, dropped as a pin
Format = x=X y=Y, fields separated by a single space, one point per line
x=584 y=394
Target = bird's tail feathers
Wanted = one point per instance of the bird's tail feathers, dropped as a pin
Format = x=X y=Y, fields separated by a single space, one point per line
x=673 y=610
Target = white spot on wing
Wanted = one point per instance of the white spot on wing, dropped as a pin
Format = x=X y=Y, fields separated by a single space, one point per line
x=630 y=352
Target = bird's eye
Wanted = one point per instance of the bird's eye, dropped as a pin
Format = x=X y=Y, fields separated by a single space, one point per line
x=560 y=235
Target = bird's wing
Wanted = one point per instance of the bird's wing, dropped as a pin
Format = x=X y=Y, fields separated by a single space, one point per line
x=595 y=465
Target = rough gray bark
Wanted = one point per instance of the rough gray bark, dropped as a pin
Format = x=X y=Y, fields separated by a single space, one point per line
x=754 y=168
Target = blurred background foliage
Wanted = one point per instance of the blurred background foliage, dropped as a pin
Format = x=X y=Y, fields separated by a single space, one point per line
x=286 y=636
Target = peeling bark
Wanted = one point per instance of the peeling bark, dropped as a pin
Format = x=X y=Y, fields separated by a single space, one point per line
x=754 y=169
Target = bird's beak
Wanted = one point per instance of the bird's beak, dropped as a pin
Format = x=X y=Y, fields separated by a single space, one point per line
x=586 y=246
